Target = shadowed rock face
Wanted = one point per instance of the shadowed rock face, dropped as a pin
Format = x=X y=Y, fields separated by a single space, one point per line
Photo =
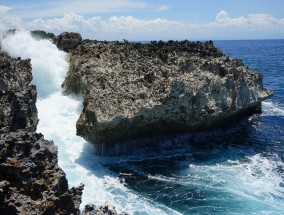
x=17 y=106
x=31 y=182
x=134 y=90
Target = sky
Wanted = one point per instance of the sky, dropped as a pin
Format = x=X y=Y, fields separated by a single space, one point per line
x=149 y=20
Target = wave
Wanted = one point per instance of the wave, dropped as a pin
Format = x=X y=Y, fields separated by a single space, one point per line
x=270 y=108
x=256 y=182
x=249 y=184
x=58 y=115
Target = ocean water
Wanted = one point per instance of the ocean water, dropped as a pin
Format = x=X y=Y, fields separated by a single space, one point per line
x=236 y=172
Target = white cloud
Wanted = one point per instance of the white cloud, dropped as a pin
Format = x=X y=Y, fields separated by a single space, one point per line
x=163 y=8
x=11 y=22
x=57 y=8
x=4 y=9
x=265 y=20
x=114 y=28
x=253 y=26
x=252 y=21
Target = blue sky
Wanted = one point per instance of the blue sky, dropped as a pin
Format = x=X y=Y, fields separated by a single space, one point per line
x=145 y=19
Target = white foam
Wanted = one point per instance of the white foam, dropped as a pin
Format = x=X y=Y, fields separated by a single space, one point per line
x=255 y=178
x=49 y=64
x=270 y=108
x=58 y=115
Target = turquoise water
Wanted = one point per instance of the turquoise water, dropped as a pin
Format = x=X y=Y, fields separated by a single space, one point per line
x=237 y=172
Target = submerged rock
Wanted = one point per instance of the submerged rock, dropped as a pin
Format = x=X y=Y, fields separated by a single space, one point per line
x=134 y=90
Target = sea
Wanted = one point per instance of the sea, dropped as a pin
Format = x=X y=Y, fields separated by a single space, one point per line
x=236 y=172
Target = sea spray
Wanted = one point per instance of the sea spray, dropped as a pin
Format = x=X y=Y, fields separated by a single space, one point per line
x=58 y=115
x=271 y=108
x=237 y=174
x=49 y=65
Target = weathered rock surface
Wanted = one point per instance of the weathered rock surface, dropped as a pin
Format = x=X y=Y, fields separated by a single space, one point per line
x=18 y=98
x=107 y=209
x=31 y=182
x=67 y=41
x=134 y=90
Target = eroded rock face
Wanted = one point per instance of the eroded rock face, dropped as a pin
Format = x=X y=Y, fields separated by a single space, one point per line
x=107 y=209
x=133 y=90
x=67 y=41
x=31 y=182
x=17 y=97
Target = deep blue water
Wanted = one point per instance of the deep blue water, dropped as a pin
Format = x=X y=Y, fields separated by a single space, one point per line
x=241 y=172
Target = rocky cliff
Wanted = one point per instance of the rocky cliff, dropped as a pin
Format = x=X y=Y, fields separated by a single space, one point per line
x=17 y=106
x=134 y=90
x=31 y=182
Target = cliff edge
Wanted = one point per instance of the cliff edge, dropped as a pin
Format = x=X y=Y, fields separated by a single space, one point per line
x=135 y=90
x=31 y=182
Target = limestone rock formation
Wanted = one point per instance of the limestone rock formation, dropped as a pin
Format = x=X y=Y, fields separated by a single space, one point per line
x=18 y=98
x=107 y=209
x=134 y=90
x=31 y=182
x=67 y=41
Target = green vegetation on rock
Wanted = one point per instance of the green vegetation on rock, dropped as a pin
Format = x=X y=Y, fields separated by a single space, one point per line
x=42 y=34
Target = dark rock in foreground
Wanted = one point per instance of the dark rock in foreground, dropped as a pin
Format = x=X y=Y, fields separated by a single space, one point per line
x=18 y=98
x=134 y=90
x=31 y=182
x=107 y=209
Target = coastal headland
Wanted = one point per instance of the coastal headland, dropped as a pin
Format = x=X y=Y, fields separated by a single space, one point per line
x=134 y=91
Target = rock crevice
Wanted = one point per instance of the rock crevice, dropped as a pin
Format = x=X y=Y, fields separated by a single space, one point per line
x=31 y=182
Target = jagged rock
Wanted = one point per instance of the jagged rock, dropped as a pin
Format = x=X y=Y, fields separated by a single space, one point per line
x=67 y=41
x=107 y=209
x=31 y=182
x=134 y=90
x=17 y=97
x=30 y=179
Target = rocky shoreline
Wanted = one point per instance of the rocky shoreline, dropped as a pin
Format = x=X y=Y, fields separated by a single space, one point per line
x=131 y=91
x=31 y=182
x=134 y=91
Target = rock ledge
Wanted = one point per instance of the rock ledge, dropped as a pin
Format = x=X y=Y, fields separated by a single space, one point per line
x=134 y=90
